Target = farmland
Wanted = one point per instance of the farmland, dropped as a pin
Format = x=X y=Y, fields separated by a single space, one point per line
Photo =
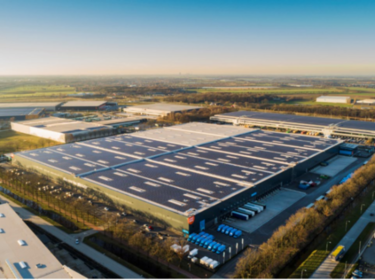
x=306 y=92
x=34 y=93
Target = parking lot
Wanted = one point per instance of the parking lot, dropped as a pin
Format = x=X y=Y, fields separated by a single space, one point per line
x=276 y=202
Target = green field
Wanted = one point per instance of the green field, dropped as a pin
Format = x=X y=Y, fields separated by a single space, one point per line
x=280 y=91
x=11 y=141
x=31 y=93
x=351 y=91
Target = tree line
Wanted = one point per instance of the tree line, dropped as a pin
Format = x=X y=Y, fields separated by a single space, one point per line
x=302 y=227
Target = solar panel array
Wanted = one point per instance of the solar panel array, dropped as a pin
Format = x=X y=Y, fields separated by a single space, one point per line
x=181 y=177
x=306 y=122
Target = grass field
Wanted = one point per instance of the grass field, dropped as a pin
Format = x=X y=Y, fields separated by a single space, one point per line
x=280 y=91
x=11 y=141
x=31 y=93
x=351 y=91
x=352 y=252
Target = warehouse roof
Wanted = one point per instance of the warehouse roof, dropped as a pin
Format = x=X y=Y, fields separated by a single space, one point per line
x=165 y=107
x=83 y=104
x=300 y=122
x=182 y=167
x=20 y=112
x=62 y=125
x=333 y=97
x=30 y=105
x=19 y=244
x=122 y=121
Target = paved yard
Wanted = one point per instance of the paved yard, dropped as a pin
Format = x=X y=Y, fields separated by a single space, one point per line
x=336 y=165
x=276 y=203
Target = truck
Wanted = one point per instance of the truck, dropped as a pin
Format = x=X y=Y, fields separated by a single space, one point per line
x=214 y=264
x=246 y=211
x=191 y=237
x=214 y=247
x=338 y=253
x=211 y=245
x=260 y=204
x=193 y=253
x=220 y=249
x=224 y=229
x=232 y=232
x=228 y=230
x=256 y=206
x=237 y=233
x=251 y=208
x=240 y=216
x=220 y=227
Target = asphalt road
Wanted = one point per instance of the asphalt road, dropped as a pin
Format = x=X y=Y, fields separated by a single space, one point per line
x=263 y=233
x=98 y=257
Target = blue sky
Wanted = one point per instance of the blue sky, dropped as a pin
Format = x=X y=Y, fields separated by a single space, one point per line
x=197 y=37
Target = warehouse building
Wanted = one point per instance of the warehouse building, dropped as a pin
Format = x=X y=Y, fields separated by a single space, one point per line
x=190 y=175
x=23 y=255
x=21 y=113
x=89 y=106
x=159 y=109
x=325 y=126
x=48 y=106
x=62 y=130
x=334 y=99
x=122 y=122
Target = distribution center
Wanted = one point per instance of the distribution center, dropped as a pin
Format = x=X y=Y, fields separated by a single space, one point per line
x=326 y=126
x=188 y=175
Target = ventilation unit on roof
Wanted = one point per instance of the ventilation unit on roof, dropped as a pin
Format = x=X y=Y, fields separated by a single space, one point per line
x=152 y=184
x=176 y=202
x=165 y=179
x=137 y=189
x=205 y=191
x=192 y=196
x=21 y=242
x=120 y=174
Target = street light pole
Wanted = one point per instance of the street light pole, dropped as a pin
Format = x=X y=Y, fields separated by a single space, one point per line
x=329 y=242
x=303 y=270
x=346 y=226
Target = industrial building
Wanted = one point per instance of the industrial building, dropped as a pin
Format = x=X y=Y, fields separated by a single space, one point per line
x=48 y=106
x=366 y=102
x=88 y=106
x=23 y=255
x=21 y=113
x=122 y=121
x=326 y=126
x=62 y=130
x=159 y=109
x=190 y=175
x=334 y=99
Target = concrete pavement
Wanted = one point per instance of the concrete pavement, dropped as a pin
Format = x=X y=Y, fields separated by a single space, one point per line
x=91 y=253
x=325 y=269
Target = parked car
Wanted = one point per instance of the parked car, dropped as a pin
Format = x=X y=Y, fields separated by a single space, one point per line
x=324 y=176
x=324 y=163
x=77 y=241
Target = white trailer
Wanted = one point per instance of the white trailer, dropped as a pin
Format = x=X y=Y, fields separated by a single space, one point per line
x=245 y=211
x=255 y=206
x=251 y=208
